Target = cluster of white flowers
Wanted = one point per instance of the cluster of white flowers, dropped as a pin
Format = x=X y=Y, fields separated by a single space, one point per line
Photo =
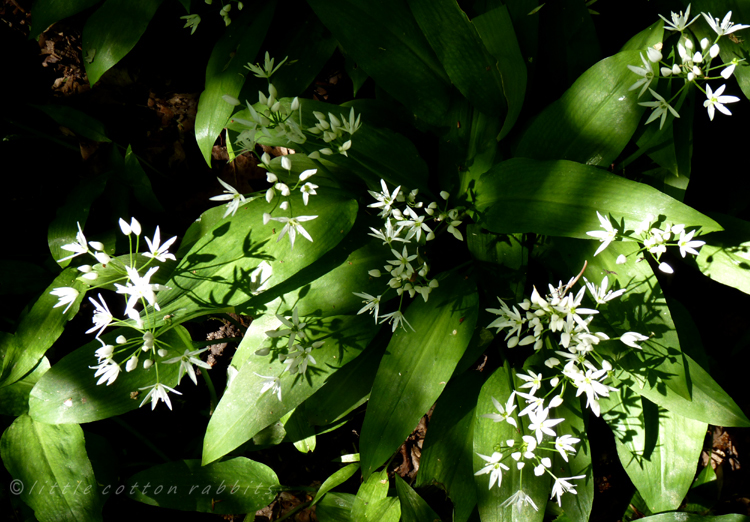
x=137 y=289
x=654 y=240
x=406 y=230
x=193 y=20
x=694 y=64
x=296 y=355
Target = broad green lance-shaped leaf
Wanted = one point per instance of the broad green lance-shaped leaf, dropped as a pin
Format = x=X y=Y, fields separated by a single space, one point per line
x=387 y=43
x=336 y=479
x=672 y=380
x=487 y=434
x=593 y=121
x=237 y=485
x=68 y=392
x=495 y=28
x=132 y=174
x=448 y=450
x=241 y=257
x=39 y=329
x=46 y=12
x=14 y=399
x=112 y=31
x=225 y=73
x=371 y=491
x=690 y=517
x=335 y=507
x=726 y=256
x=243 y=410
x=416 y=366
x=657 y=448
x=561 y=198
x=40 y=455
x=75 y=211
x=454 y=38
x=413 y=507
x=77 y=121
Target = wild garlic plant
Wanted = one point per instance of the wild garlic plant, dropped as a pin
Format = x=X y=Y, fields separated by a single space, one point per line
x=558 y=327
x=655 y=240
x=405 y=231
x=133 y=282
x=691 y=62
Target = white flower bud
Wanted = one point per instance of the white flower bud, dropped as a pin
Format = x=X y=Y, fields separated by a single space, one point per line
x=307 y=174
x=552 y=362
x=162 y=352
x=284 y=205
x=295 y=104
x=666 y=268
x=131 y=364
x=666 y=71
x=434 y=283
x=283 y=188
x=654 y=56
x=121 y=339
x=266 y=218
x=554 y=381
x=374 y=273
x=714 y=52
x=688 y=44
x=124 y=227
x=266 y=158
x=445 y=195
x=96 y=245
x=621 y=260
x=271 y=177
x=135 y=226
x=91 y=276
x=147 y=364
x=675 y=69
x=286 y=163
x=272 y=91
x=270 y=194
x=102 y=258
x=556 y=401
x=326 y=151
x=727 y=72
x=697 y=57
x=85 y=269
x=314 y=155
x=704 y=43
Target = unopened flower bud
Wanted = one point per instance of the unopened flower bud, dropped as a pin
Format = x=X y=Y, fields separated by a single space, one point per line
x=654 y=56
x=284 y=205
x=124 y=227
x=704 y=43
x=162 y=352
x=621 y=260
x=266 y=218
x=675 y=69
x=286 y=163
x=147 y=364
x=556 y=401
x=295 y=104
x=131 y=364
x=121 y=339
x=102 y=258
x=688 y=43
x=231 y=100
x=374 y=273
x=96 y=245
x=714 y=52
x=307 y=174
x=666 y=268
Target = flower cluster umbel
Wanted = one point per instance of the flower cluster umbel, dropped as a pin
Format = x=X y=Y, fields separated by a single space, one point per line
x=691 y=63
x=296 y=353
x=404 y=231
x=138 y=290
x=655 y=240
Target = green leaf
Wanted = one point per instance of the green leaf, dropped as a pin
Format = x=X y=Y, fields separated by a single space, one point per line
x=448 y=449
x=495 y=28
x=77 y=121
x=299 y=431
x=132 y=174
x=238 y=418
x=237 y=485
x=580 y=125
x=225 y=73
x=39 y=329
x=486 y=435
x=14 y=399
x=40 y=454
x=335 y=507
x=387 y=43
x=561 y=198
x=44 y=13
x=689 y=517
x=372 y=490
x=726 y=256
x=578 y=506
x=336 y=479
x=112 y=31
x=241 y=257
x=416 y=366
x=453 y=37
x=413 y=507
x=68 y=392
x=658 y=449
x=385 y=510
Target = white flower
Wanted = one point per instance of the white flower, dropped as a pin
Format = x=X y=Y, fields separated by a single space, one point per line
x=385 y=199
x=298 y=359
x=402 y=263
x=600 y=293
x=131 y=364
x=371 y=303
x=494 y=467
x=505 y=413
x=308 y=189
x=518 y=499
x=647 y=75
x=160 y=253
x=606 y=236
x=267 y=70
x=564 y=444
x=715 y=100
x=664 y=267
x=307 y=174
x=108 y=369
x=292 y=226
x=660 y=107
x=102 y=316
x=533 y=381
x=134 y=227
x=187 y=360
x=725 y=27
x=630 y=338
x=688 y=245
x=540 y=424
x=105 y=352
x=272 y=383
x=140 y=288
x=65 y=295
x=158 y=392
x=728 y=71
x=679 y=22
x=78 y=248
x=562 y=485
x=294 y=328
x=235 y=198
x=621 y=260
x=395 y=318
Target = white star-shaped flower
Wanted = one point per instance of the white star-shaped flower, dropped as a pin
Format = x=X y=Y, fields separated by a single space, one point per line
x=725 y=27
x=679 y=22
x=505 y=413
x=715 y=100
x=65 y=295
x=158 y=392
x=606 y=236
x=494 y=467
x=187 y=360
x=660 y=107
x=293 y=226
x=160 y=252
x=235 y=198
x=688 y=245
x=647 y=75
